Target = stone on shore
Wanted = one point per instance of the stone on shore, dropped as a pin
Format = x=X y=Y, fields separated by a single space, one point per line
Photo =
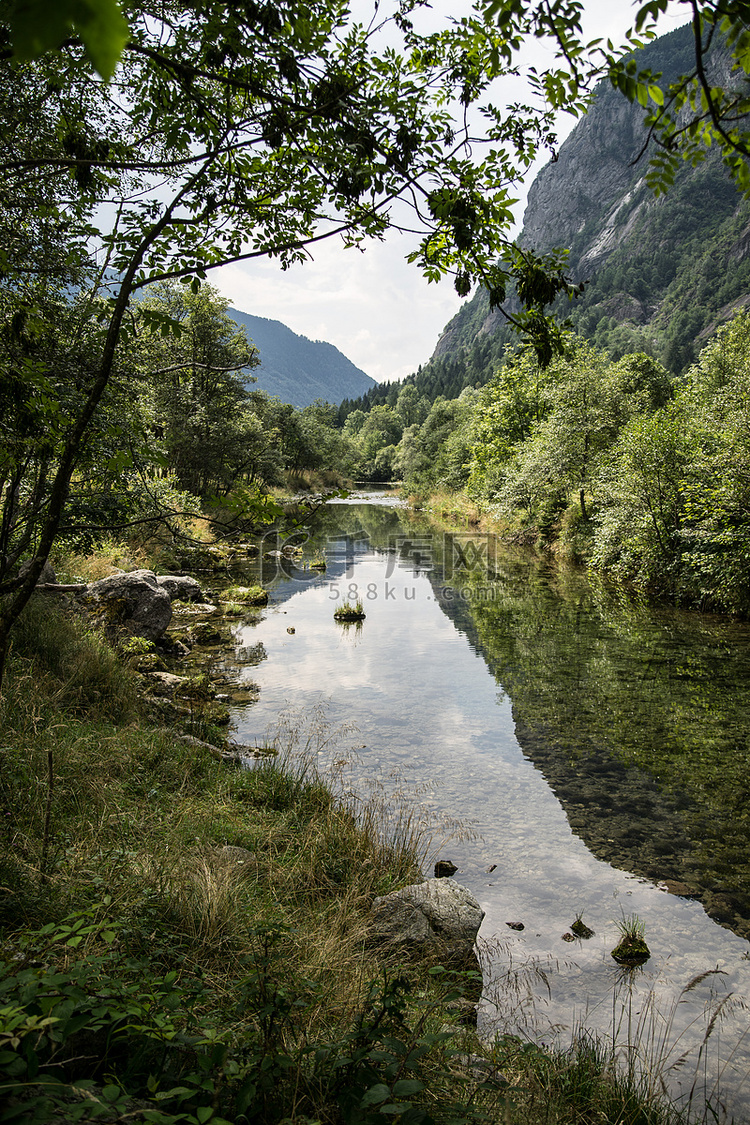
x=438 y=919
x=181 y=587
x=132 y=603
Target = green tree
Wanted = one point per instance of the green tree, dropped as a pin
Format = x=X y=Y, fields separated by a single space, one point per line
x=229 y=133
x=382 y=427
x=411 y=407
x=640 y=524
x=675 y=488
x=197 y=399
x=540 y=435
x=328 y=447
x=716 y=487
x=435 y=454
x=515 y=399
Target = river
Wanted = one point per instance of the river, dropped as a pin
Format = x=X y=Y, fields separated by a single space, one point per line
x=579 y=755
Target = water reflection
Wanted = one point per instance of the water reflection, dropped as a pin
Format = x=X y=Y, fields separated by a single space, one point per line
x=596 y=750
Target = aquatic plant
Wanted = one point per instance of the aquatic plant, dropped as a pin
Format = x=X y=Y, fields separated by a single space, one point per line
x=631 y=948
x=349 y=612
x=580 y=929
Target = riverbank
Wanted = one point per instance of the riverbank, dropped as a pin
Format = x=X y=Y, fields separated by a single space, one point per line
x=566 y=540
x=198 y=934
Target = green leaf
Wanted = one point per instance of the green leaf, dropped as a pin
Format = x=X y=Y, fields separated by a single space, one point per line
x=37 y=26
x=407 y=1086
x=375 y=1095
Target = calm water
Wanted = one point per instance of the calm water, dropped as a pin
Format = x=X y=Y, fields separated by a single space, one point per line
x=596 y=753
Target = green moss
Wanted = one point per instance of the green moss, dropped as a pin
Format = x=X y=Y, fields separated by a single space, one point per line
x=247 y=595
x=631 y=951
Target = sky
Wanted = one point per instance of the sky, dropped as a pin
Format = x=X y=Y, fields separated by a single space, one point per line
x=374 y=306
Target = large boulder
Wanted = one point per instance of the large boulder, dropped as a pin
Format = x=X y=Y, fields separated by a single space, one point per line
x=134 y=603
x=437 y=919
x=47 y=577
x=181 y=587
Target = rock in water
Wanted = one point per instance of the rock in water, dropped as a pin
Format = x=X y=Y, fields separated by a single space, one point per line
x=444 y=869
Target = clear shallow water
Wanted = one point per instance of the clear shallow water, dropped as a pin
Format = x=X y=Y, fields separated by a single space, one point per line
x=419 y=681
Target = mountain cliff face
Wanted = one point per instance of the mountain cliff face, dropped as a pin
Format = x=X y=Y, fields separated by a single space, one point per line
x=661 y=273
x=299 y=370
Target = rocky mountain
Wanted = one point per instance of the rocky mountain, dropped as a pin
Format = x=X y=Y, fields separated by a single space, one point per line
x=299 y=370
x=661 y=272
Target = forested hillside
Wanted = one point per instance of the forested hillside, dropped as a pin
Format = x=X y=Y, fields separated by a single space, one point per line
x=661 y=273
x=628 y=450
x=298 y=370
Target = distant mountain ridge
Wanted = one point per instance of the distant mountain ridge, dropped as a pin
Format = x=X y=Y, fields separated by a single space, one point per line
x=661 y=273
x=299 y=370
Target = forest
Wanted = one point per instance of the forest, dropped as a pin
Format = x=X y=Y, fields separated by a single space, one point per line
x=614 y=463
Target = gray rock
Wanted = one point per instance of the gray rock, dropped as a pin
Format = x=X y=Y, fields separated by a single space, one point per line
x=165 y=683
x=436 y=918
x=181 y=587
x=133 y=602
x=47 y=576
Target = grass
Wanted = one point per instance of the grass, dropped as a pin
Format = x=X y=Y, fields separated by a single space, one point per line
x=198 y=935
x=632 y=947
x=349 y=612
x=246 y=595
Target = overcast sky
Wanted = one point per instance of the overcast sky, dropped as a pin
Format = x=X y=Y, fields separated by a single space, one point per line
x=375 y=307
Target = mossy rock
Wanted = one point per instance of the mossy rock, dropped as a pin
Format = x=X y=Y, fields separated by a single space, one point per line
x=581 y=930
x=248 y=595
x=349 y=615
x=206 y=633
x=631 y=951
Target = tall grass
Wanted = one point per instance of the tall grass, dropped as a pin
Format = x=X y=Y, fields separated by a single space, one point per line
x=679 y=1046
x=58 y=661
